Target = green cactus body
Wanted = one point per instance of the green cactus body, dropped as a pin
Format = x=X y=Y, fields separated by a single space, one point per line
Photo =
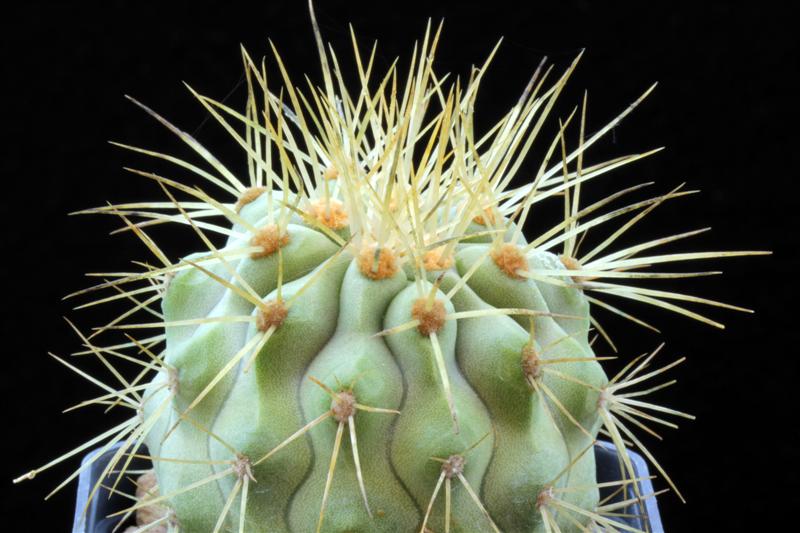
x=367 y=341
x=330 y=332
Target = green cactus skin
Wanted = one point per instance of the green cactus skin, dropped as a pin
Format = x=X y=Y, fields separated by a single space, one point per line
x=330 y=333
x=366 y=341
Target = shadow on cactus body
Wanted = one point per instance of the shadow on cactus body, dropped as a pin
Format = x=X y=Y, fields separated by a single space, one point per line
x=376 y=346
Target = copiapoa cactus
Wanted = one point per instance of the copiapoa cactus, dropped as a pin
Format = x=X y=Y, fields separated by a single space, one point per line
x=366 y=340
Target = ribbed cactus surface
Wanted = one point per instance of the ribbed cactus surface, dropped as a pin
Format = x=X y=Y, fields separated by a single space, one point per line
x=402 y=384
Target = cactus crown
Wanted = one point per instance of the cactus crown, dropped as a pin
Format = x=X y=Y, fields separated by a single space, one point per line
x=366 y=325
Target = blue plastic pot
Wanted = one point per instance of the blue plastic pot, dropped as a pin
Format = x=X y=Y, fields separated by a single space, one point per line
x=96 y=520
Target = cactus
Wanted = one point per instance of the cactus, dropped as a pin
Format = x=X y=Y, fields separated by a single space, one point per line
x=367 y=341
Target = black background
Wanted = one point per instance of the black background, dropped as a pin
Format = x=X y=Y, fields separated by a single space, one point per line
x=725 y=109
